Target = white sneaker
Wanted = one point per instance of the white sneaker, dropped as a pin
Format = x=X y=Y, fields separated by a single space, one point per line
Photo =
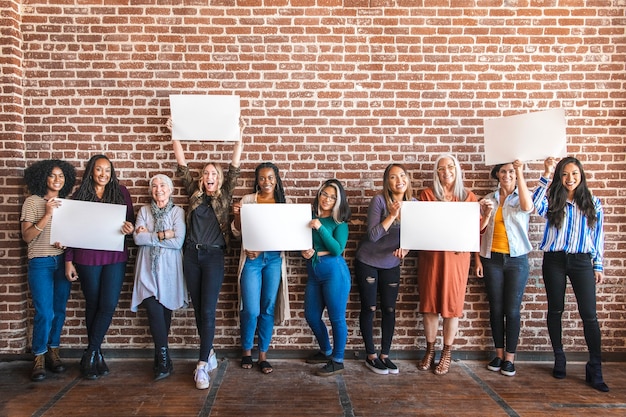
x=212 y=360
x=201 y=376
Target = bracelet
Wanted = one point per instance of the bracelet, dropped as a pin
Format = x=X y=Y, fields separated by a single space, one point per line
x=35 y=224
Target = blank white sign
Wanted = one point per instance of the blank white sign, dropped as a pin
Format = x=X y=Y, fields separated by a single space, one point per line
x=276 y=227
x=88 y=225
x=440 y=226
x=527 y=137
x=205 y=117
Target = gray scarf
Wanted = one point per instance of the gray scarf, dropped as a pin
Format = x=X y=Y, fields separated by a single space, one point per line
x=159 y=215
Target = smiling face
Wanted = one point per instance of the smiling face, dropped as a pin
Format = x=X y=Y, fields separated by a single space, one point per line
x=397 y=181
x=160 y=192
x=101 y=173
x=266 y=180
x=210 y=179
x=446 y=171
x=55 y=181
x=570 y=178
x=506 y=176
x=327 y=200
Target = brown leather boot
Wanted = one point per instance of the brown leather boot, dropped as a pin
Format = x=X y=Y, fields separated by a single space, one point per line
x=53 y=361
x=39 y=369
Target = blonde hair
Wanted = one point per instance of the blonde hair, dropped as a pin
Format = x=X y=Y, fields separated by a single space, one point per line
x=220 y=179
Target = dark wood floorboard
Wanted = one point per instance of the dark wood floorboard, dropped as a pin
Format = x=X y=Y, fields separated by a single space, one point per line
x=293 y=389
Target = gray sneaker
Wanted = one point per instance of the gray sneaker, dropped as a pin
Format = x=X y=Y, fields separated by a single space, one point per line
x=212 y=361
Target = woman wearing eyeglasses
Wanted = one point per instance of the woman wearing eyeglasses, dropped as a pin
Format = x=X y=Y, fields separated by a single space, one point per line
x=328 y=283
x=442 y=275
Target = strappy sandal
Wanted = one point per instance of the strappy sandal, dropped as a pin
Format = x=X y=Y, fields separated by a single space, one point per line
x=265 y=367
x=428 y=359
x=444 y=362
x=246 y=362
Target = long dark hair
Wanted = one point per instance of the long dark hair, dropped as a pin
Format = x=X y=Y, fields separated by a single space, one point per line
x=279 y=192
x=36 y=177
x=387 y=193
x=87 y=192
x=341 y=210
x=557 y=195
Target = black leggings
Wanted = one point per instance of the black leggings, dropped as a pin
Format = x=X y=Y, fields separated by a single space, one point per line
x=386 y=282
x=578 y=267
x=160 y=319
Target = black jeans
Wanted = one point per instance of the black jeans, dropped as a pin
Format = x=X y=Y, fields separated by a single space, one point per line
x=578 y=267
x=386 y=282
x=505 y=281
x=204 y=273
x=160 y=319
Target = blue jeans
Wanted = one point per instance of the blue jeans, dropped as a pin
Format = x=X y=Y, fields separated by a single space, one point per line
x=505 y=281
x=557 y=266
x=49 y=290
x=204 y=273
x=260 y=279
x=101 y=286
x=386 y=283
x=328 y=286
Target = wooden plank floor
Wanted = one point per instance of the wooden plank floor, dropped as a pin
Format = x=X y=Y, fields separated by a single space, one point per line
x=294 y=390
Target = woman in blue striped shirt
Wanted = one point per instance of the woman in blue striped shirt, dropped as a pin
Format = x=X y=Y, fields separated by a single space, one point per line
x=573 y=244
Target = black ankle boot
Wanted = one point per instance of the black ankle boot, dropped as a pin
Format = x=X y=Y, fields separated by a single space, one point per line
x=88 y=365
x=163 y=367
x=559 y=364
x=593 y=376
x=101 y=365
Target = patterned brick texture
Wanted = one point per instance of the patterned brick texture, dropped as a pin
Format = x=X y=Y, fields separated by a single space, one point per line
x=329 y=88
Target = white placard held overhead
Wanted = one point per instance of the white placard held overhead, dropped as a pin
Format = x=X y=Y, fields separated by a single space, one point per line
x=205 y=117
x=440 y=226
x=276 y=227
x=88 y=225
x=527 y=137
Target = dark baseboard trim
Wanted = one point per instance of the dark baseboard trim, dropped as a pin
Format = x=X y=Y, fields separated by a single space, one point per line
x=302 y=354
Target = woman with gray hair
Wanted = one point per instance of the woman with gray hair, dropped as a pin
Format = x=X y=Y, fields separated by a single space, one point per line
x=159 y=282
x=442 y=275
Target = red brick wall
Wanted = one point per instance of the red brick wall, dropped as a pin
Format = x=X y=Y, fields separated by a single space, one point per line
x=14 y=317
x=328 y=88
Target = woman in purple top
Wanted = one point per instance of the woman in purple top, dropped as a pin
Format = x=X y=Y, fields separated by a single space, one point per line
x=377 y=265
x=101 y=272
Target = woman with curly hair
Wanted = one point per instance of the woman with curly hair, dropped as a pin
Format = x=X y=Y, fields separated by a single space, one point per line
x=573 y=246
x=101 y=272
x=47 y=181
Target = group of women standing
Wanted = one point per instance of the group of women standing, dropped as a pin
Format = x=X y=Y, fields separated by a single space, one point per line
x=572 y=246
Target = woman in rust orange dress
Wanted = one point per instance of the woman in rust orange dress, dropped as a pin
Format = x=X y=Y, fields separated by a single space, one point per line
x=442 y=275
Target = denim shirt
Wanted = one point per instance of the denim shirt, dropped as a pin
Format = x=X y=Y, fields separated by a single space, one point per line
x=515 y=222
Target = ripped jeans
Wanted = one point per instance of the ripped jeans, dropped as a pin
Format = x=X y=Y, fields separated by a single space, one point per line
x=385 y=282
